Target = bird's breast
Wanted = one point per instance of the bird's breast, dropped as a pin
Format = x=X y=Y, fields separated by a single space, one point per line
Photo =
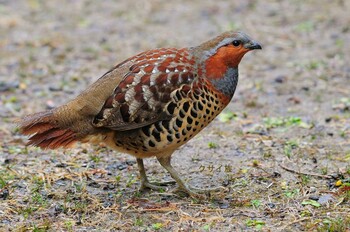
x=191 y=109
x=227 y=83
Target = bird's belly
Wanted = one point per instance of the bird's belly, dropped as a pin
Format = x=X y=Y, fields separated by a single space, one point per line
x=165 y=136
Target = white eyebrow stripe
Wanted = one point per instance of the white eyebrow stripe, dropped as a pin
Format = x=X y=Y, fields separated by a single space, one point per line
x=212 y=51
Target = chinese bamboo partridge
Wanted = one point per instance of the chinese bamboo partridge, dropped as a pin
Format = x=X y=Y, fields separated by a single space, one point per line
x=150 y=104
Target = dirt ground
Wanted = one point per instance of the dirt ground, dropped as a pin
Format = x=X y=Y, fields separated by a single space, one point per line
x=281 y=149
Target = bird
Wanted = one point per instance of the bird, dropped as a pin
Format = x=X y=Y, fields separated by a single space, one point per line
x=148 y=105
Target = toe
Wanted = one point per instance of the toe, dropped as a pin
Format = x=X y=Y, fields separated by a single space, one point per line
x=148 y=185
x=185 y=192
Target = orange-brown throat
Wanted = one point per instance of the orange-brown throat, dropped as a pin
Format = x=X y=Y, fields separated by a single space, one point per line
x=225 y=57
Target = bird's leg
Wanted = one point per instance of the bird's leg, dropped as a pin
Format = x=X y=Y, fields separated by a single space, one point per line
x=165 y=162
x=144 y=180
x=193 y=192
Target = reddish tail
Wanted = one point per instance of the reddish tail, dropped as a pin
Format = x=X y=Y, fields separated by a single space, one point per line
x=45 y=132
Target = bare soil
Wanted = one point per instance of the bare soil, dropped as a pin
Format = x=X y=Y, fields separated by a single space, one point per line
x=281 y=149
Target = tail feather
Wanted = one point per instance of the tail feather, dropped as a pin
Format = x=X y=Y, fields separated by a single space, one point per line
x=38 y=128
x=64 y=141
x=46 y=132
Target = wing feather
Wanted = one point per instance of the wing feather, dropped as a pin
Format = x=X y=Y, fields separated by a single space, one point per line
x=142 y=97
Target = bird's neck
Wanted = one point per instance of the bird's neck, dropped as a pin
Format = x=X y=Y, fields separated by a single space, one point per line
x=221 y=70
x=227 y=83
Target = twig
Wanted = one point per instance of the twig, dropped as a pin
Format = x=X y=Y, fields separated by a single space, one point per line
x=305 y=173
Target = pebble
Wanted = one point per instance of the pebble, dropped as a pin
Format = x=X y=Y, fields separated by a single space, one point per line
x=280 y=79
x=5 y=86
x=4 y=193
x=109 y=187
x=324 y=199
x=312 y=190
x=314 y=197
x=94 y=184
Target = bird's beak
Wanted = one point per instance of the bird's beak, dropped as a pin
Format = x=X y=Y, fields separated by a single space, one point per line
x=252 y=45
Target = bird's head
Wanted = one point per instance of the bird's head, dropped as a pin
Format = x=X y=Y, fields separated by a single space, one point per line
x=225 y=51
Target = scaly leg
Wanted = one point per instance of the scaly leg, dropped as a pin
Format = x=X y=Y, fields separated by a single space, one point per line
x=165 y=162
x=193 y=192
x=144 y=180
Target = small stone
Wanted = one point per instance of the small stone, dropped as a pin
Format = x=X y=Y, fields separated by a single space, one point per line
x=55 y=88
x=61 y=165
x=4 y=193
x=130 y=162
x=226 y=182
x=94 y=184
x=224 y=205
x=314 y=197
x=280 y=79
x=107 y=204
x=312 y=190
x=276 y=174
x=122 y=166
x=335 y=175
x=58 y=209
x=109 y=187
x=50 y=104
x=6 y=86
x=324 y=199
x=7 y=161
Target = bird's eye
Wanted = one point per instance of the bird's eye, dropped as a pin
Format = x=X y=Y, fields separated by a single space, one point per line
x=236 y=43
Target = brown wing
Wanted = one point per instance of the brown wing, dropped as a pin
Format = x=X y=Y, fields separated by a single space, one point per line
x=141 y=97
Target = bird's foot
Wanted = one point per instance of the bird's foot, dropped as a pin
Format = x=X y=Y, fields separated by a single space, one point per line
x=185 y=192
x=155 y=185
x=196 y=192
x=208 y=190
